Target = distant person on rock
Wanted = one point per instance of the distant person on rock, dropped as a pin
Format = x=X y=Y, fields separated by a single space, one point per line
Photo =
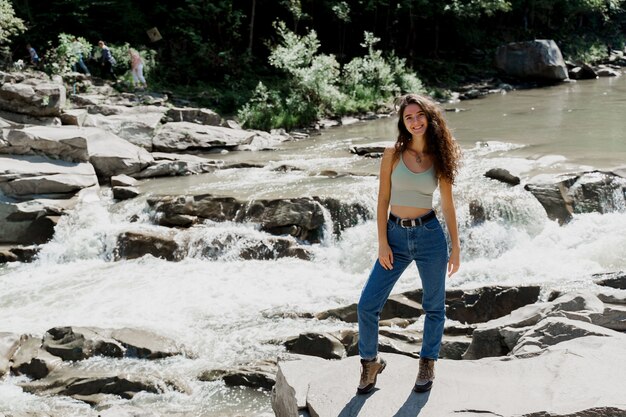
x=34 y=58
x=136 y=68
x=77 y=48
x=424 y=157
x=106 y=60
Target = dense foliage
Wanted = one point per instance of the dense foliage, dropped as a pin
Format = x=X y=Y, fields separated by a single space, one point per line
x=225 y=47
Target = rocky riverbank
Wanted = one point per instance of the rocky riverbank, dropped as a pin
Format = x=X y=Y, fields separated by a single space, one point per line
x=58 y=149
x=504 y=353
x=102 y=146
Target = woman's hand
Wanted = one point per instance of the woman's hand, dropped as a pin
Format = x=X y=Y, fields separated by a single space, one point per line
x=455 y=261
x=385 y=256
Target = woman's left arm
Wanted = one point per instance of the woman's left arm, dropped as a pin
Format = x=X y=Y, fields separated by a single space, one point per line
x=449 y=214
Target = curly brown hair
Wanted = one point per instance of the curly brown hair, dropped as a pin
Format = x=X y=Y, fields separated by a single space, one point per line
x=440 y=144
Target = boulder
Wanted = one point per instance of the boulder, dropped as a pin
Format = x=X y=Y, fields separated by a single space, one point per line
x=258 y=375
x=94 y=386
x=175 y=168
x=34 y=98
x=124 y=193
x=144 y=344
x=323 y=345
x=583 y=72
x=63 y=144
x=488 y=303
x=539 y=60
x=613 y=280
x=30 y=175
x=483 y=304
x=137 y=125
x=370 y=149
x=499 y=336
x=594 y=191
x=192 y=115
x=186 y=137
x=608 y=72
x=553 y=330
x=32 y=360
x=248 y=247
x=74 y=117
x=302 y=218
x=397 y=306
x=502 y=175
x=111 y=155
x=32 y=221
x=527 y=390
x=158 y=243
x=79 y=343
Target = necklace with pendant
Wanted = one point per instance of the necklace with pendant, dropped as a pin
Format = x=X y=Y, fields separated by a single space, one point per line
x=418 y=156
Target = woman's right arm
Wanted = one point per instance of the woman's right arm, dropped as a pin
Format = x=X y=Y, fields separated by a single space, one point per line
x=385 y=256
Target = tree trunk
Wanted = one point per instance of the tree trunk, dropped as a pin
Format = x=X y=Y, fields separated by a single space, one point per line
x=252 y=27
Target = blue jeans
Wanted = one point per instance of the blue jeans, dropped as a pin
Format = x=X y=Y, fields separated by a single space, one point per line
x=426 y=245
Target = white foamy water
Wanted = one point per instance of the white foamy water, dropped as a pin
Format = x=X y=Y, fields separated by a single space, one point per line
x=228 y=311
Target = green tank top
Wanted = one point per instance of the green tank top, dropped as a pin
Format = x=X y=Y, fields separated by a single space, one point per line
x=412 y=189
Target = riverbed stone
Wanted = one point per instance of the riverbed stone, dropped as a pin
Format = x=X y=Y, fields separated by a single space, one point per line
x=79 y=343
x=540 y=59
x=32 y=360
x=144 y=344
x=302 y=218
x=594 y=191
x=125 y=193
x=613 y=279
x=246 y=247
x=175 y=168
x=159 y=243
x=582 y=72
x=502 y=175
x=260 y=374
x=94 y=385
x=323 y=345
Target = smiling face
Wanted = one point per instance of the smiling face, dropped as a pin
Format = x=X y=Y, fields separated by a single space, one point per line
x=415 y=120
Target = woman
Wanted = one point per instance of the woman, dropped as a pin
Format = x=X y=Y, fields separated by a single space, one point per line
x=425 y=156
x=136 y=68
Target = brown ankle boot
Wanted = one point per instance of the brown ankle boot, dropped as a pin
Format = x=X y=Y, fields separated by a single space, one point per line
x=425 y=376
x=369 y=373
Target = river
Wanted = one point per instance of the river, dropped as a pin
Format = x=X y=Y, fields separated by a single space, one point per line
x=228 y=311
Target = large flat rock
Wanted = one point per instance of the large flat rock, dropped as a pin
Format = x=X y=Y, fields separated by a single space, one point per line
x=571 y=377
x=186 y=136
x=28 y=175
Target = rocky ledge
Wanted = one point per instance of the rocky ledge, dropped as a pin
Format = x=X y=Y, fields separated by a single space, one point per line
x=521 y=357
x=53 y=363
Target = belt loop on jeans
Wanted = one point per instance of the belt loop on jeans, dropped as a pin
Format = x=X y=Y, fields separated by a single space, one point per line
x=406 y=223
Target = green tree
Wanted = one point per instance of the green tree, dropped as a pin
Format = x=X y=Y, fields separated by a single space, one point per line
x=10 y=25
